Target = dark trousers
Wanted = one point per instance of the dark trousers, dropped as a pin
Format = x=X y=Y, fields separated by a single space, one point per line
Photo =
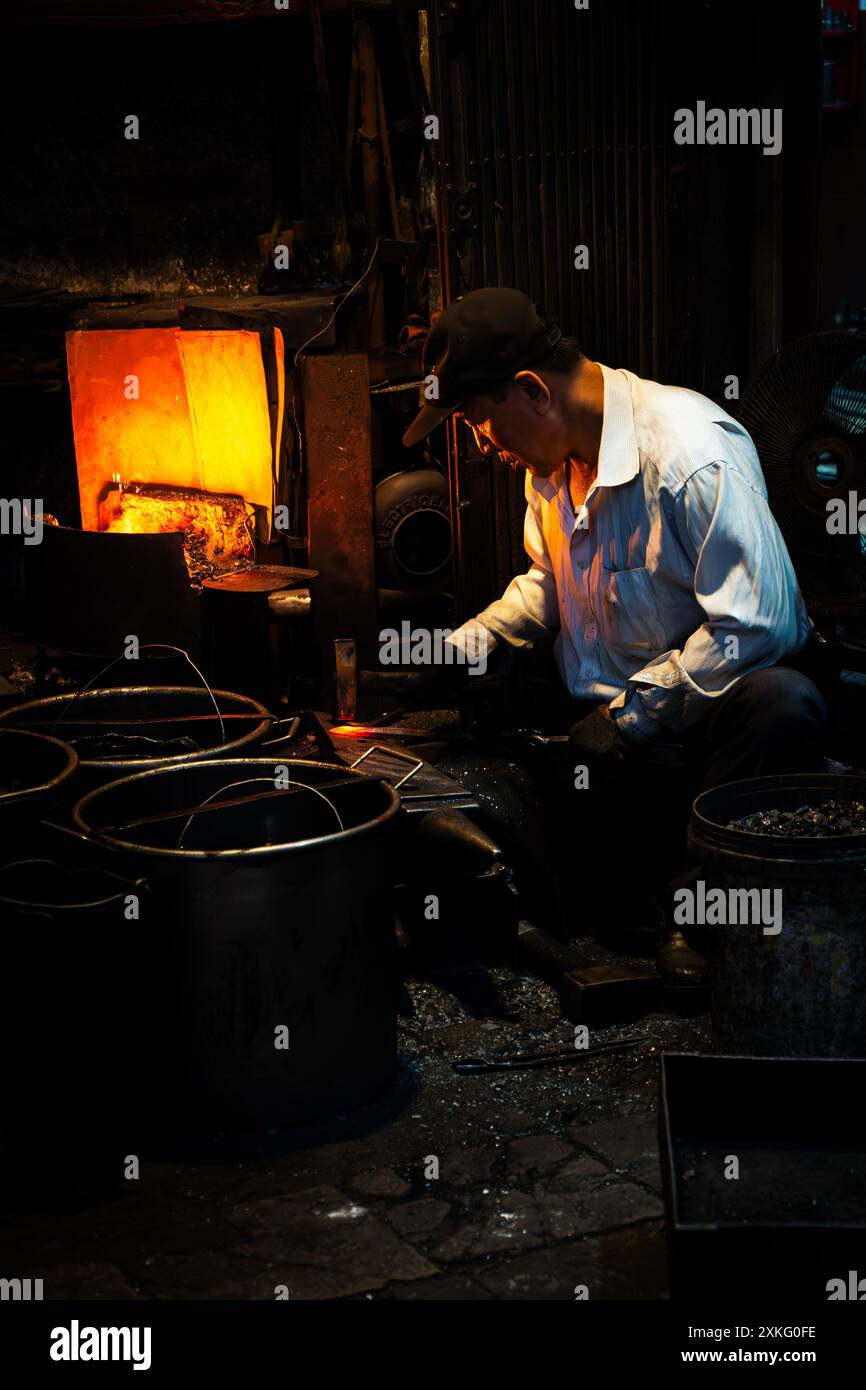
x=772 y=722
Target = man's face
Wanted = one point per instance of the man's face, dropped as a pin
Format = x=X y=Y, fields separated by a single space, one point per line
x=522 y=428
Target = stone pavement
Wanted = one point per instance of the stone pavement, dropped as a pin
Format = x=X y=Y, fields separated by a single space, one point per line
x=517 y=1186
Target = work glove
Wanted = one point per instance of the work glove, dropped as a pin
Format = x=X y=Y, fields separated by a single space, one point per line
x=596 y=743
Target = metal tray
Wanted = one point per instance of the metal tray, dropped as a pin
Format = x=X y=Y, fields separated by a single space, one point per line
x=795 y=1218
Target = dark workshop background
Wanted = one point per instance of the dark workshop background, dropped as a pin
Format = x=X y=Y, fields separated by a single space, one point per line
x=703 y=260
x=557 y=130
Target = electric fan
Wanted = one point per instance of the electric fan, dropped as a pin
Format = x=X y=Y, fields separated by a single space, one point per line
x=806 y=413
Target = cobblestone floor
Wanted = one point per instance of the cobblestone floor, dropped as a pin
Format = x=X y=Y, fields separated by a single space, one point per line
x=547 y=1179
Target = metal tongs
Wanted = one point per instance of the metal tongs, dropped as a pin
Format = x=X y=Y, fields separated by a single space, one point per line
x=523 y=1061
x=396 y=753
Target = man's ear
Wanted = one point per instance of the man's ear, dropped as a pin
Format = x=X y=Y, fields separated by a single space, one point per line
x=536 y=389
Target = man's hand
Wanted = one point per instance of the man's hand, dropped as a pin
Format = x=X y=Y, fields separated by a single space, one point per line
x=597 y=742
x=448 y=683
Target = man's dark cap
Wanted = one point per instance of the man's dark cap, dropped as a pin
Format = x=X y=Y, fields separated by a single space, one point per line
x=477 y=344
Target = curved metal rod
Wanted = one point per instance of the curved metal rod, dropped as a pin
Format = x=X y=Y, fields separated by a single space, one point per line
x=252 y=781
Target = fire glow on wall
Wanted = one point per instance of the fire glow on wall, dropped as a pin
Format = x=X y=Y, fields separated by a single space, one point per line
x=173 y=432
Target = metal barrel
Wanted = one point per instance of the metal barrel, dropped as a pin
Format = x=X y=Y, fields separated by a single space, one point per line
x=160 y=726
x=789 y=973
x=35 y=771
x=268 y=924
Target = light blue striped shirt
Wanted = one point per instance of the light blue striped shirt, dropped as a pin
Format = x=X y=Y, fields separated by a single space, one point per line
x=672 y=581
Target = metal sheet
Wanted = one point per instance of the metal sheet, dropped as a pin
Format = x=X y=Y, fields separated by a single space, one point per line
x=142 y=583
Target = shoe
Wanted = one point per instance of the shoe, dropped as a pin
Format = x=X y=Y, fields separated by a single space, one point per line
x=679 y=966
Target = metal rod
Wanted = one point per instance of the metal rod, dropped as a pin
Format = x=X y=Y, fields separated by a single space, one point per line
x=526 y=1060
x=117 y=724
x=232 y=803
x=386 y=157
x=370 y=148
x=352 y=117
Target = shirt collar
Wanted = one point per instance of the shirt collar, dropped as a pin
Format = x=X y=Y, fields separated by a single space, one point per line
x=618 y=456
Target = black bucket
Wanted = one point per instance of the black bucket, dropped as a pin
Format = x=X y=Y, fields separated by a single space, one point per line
x=273 y=927
x=75 y=998
x=118 y=732
x=792 y=987
x=35 y=772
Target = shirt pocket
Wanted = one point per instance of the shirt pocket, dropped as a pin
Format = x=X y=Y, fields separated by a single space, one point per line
x=628 y=612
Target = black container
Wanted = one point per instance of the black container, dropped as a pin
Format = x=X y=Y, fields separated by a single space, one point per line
x=797 y=991
x=149 y=726
x=795 y=1219
x=35 y=773
x=264 y=917
x=77 y=990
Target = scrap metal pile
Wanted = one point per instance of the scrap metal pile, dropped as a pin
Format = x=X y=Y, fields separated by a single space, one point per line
x=831 y=818
x=217 y=528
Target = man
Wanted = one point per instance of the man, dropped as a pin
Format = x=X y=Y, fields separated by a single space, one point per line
x=655 y=557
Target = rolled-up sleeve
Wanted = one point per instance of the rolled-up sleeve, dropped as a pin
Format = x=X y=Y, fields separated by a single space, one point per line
x=528 y=612
x=744 y=582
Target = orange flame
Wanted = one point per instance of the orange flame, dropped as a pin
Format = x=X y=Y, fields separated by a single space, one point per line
x=216 y=529
x=178 y=409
